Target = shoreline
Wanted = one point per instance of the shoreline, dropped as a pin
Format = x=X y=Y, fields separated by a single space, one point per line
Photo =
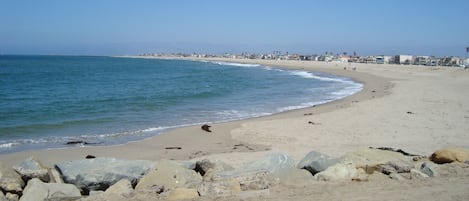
x=264 y=134
x=50 y=156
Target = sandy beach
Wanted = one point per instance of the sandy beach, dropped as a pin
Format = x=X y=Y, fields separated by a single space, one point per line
x=414 y=108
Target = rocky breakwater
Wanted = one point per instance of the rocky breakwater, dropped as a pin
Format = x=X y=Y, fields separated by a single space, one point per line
x=114 y=179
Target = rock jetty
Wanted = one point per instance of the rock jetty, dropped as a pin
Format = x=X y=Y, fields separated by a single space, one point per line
x=98 y=178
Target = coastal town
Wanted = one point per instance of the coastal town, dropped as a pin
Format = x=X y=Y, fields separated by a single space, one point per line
x=343 y=57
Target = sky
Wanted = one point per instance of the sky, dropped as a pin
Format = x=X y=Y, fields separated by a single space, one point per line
x=115 y=27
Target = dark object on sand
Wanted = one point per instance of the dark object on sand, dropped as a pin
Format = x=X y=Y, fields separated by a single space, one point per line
x=90 y=156
x=395 y=150
x=206 y=127
x=173 y=148
x=409 y=112
x=73 y=142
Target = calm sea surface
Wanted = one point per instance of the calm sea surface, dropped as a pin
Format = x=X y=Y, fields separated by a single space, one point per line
x=47 y=101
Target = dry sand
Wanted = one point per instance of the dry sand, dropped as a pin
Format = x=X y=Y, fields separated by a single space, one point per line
x=417 y=109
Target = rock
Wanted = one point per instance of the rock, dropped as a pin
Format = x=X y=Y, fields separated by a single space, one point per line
x=207 y=168
x=206 y=128
x=445 y=170
x=277 y=164
x=10 y=180
x=291 y=177
x=449 y=155
x=100 y=173
x=316 y=162
x=122 y=187
x=249 y=194
x=396 y=176
x=231 y=182
x=55 y=176
x=2 y=196
x=186 y=164
x=12 y=197
x=224 y=187
x=372 y=159
x=338 y=171
x=170 y=175
x=429 y=169
x=32 y=168
x=416 y=174
x=122 y=190
x=182 y=194
x=37 y=190
x=397 y=167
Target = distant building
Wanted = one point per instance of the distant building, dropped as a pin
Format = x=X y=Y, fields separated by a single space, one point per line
x=422 y=60
x=403 y=59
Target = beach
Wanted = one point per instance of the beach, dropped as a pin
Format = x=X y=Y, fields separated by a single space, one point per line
x=414 y=108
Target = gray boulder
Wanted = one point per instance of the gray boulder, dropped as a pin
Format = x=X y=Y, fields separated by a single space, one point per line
x=278 y=165
x=397 y=167
x=10 y=180
x=316 y=162
x=168 y=175
x=38 y=190
x=100 y=173
x=32 y=168
x=208 y=168
x=229 y=183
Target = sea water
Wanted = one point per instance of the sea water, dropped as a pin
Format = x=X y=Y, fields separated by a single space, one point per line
x=47 y=101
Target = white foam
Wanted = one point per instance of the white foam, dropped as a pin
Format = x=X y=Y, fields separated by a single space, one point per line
x=8 y=145
x=311 y=75
x=235 y=64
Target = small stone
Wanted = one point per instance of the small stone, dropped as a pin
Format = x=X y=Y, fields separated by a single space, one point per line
x=396 y=176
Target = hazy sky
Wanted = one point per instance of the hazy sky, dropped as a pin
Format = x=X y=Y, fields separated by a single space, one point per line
x=113 y=27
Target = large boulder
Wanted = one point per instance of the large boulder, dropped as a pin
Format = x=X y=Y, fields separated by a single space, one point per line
x=122 y=190
x=32 y=168
x=371 y=160
x=232 y=182
x=449 y=155
x=38 y=190
x=169 y=175
x=182 y=194
x=10 y=180
x=278 y=166
x=339 y=171
x=316 y=162
x=100 y=173
x=208 y=168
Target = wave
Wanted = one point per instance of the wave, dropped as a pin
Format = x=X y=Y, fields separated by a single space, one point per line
x=311 y=75
x=235 y=64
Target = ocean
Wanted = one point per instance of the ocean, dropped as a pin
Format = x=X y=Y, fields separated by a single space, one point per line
x=47 y=101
